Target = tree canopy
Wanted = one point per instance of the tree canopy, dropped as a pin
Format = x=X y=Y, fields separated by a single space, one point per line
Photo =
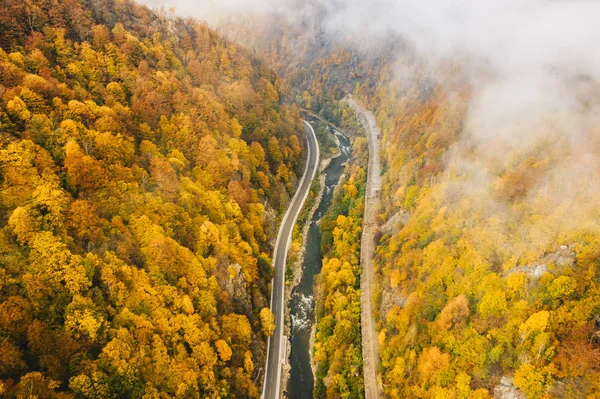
x=144 y=160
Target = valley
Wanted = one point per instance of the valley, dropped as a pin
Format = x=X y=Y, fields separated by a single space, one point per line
x=302 y=316
x=277 y=343
x=316 y=199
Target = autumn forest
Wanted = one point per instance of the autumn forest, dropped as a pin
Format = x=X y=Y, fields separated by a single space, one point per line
x=148 y=158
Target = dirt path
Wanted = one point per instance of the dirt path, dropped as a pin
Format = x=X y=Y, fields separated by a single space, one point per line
x=370 y=343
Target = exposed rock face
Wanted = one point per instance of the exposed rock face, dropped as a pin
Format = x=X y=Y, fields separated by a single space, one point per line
x=235 y=285
x=564 y=257
x=270 y=223
x=507 y=390
x=596 y=335
x=535 y=271
x=395 y=223
x=391 y=298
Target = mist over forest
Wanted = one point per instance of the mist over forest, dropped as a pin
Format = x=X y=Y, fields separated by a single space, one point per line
x=150 y=151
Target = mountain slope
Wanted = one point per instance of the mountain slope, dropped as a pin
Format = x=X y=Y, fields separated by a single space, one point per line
x=143 y=161
x=488 y=257
x=488 y=249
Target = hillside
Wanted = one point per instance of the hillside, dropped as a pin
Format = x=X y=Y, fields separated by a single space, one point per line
x=488 y=250
x=491 y=274
x=316 y=68
x=144 y=161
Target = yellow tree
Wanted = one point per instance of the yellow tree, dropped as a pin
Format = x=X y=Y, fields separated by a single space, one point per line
x=267 y=320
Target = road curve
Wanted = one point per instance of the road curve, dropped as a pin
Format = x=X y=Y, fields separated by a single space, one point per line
x=276 y=346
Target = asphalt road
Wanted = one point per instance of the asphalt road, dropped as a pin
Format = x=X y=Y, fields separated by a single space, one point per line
x=276 y=347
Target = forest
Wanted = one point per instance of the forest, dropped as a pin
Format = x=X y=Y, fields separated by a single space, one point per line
x=144 y=162
x=488 y=260
x=489 y=277
x=146 y=159
x=337 y=348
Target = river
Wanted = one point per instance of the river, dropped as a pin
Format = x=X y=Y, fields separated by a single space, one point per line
x=302 y=304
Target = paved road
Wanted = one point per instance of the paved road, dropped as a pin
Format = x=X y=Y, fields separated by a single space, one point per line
x=276 y=347
x=370 y=343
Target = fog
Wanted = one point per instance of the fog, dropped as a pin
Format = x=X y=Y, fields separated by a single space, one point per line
x=537 y=52
x=212 y=10
x=533 y=72
x=532 y=65
x=535 y=49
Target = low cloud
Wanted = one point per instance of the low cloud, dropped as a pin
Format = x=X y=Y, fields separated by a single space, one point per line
x=533 y=66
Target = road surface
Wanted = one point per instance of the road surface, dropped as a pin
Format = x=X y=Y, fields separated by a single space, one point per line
x=370 y=342
x=276 y=346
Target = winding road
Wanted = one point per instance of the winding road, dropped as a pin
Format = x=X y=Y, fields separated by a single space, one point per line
x=276 y=346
